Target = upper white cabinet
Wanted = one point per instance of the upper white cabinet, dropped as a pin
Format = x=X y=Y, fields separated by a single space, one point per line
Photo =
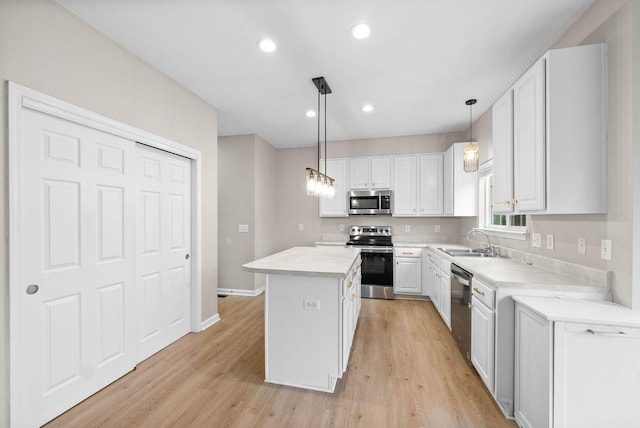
x=417 y=185
x=460 y=187
x=430 y=187
x=337 y=207
x=370 y=173
x=549 y=136
x=405 y=185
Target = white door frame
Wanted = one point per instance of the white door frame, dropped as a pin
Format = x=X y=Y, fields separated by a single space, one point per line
x=21 y=97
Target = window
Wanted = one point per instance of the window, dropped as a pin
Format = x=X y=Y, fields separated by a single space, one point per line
x=514 y=226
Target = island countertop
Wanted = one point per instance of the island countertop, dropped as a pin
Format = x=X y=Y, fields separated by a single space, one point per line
x=309 y=261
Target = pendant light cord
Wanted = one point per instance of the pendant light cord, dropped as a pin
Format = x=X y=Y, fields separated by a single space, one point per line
x=325 y=133
x=319 y=131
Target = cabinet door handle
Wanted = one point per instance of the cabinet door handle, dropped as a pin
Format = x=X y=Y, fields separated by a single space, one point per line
x=607 y=333
x=350 y=284
x=373 y=184
x=478 y=291
x=514 y=201
x=505 y=202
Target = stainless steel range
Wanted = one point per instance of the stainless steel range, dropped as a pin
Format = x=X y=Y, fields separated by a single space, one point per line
x=376 y=251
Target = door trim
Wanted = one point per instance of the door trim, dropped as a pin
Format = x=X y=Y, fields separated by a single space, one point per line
x=21 y=97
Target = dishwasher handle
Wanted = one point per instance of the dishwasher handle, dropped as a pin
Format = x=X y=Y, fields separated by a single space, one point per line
x=462 y=280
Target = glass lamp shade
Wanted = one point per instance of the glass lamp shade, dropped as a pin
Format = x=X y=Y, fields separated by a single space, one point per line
x=471 y=160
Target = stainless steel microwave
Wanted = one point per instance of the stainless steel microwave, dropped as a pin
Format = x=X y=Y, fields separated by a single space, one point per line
x=370 y=202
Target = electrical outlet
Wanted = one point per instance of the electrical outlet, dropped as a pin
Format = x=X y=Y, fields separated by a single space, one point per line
x=550 y=241
x=582 y=246
x=536 y=240
x=407 y=228
x=311 y=305
x=342 y=228
x=301 y=227
x=606 y=247
x=243 y=228
x=437 y=228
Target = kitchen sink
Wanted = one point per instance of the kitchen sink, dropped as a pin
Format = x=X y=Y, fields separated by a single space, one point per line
x=470 y=252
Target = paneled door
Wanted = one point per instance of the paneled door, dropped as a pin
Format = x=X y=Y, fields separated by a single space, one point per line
x=76 y=264
x=163 y=235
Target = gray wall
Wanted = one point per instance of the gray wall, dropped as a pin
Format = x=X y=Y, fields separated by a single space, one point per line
x=44 y=47
x=247 y=195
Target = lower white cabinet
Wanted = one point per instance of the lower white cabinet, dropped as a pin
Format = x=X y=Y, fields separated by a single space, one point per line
x=483 y=341
x=445 y=296
x=576 y=363
x=407 y=272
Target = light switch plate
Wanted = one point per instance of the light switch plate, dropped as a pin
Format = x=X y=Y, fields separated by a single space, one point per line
x=407 y=228
x=536 y=240
x=606 y=248
x=437 y=228
x=301 y=227
x=550 y=241
x=243 y=228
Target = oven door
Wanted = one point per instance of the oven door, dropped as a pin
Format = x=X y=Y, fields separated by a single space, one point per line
x=377 y=266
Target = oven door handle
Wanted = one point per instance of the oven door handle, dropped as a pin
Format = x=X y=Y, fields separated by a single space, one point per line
x=375 y=250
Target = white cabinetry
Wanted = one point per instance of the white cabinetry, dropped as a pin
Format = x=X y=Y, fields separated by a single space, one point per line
x=439 y=284
x=405 y=185
x=430 y=187
x=549 y=136
x=576 y=363
x=417 y=185
x=407 y=275
x=370 y=173
x=337 y=207
x=483 y=332
x=460 y=187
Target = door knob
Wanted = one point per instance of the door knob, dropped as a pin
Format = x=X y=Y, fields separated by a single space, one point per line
x=186 y=257
x=32 y=289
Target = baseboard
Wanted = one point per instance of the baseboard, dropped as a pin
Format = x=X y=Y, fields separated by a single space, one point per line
x=209 y=322
x=237 y=292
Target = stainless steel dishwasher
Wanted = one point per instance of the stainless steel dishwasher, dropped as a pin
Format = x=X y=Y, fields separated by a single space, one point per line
x=461 y=309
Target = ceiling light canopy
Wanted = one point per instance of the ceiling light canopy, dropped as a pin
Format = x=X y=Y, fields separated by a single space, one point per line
x=367 y=108
x=267 y=45
x=361 y=31
x=310 y=113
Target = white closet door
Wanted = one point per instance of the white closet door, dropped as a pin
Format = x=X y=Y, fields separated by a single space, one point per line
x=76 y=264
x=163 y=235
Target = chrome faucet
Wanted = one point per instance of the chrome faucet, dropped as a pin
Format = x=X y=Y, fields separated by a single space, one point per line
x=486 y=235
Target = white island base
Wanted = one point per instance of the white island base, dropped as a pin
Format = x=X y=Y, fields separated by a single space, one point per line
x=310 y=315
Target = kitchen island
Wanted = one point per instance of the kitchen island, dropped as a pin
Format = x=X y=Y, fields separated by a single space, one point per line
x=312 y=303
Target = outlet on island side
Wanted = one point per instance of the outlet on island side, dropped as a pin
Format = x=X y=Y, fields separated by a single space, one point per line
x=311 y=305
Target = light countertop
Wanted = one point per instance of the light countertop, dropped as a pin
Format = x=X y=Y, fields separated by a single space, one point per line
x=310 y=261
x=582 y=311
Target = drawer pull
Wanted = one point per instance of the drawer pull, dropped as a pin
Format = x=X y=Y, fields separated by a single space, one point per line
x=505 y=202
x=407 y=252
x=606 y=333
x=514 y=201
x=350 y=284
x=480 y=292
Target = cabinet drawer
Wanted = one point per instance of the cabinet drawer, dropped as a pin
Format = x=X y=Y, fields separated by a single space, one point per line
x=445 y=265
x=407 y=252
x=484 y=293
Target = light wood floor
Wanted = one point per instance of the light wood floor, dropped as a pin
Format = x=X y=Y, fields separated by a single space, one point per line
x=404 y=371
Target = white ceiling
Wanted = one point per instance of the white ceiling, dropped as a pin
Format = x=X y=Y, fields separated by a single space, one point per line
x=422 y=61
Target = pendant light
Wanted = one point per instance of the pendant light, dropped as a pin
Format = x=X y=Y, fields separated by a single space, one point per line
x=471 y=150
x=319 y=184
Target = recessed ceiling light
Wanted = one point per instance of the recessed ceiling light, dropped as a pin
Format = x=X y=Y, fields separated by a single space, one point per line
x=367 y=108
x=310 y=113
x=266 y=45
x=361 y=31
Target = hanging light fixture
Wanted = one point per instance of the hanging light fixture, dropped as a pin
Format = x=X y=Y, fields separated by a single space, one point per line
x=471 y=150
x=319 y=184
